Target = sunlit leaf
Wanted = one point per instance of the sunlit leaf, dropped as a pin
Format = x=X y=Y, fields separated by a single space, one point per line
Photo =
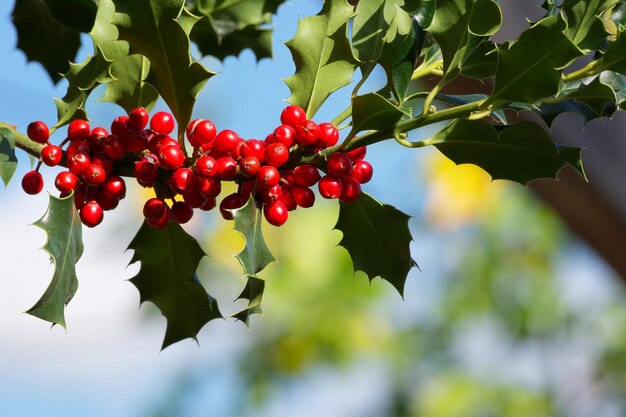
x=129 y=88
x=373 y=112
x=585 y=27
x=8 y=160
x=64 y=244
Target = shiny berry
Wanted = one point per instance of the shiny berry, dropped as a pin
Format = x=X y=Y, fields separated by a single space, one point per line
x=162 y=122
x=78 y=162
x=267 y=176
x=292 y=116
x=76 y=147
x=276 y=154
x=162 y=222
x=303 y=196
x=276 y=213
x=182 y=180
x=269 y=195
x=226 y=141
x=329 y=186
x=286 y=135
x=306 y=175
x=253 y=147
x=181 y=212
x=51 y=155
x=230 y=202
x=135 y=140
x=38 y=132
x=225 y=168
x=114 y=187
x=119 y=126
x=106 y=202
x=357 y=154
x=209 y=187
x=171 y=156
x=146 y=172
x=339 y=164
x=328 y=136
x=287 y=198
x=362 y=172
x=307 y=132
x=138 y=119
x=155 y=208
x=205 y=166
x=65 y=181
x=94 y=175
x=32 y=183
x=101 y=158
x=113 y=146
x=91 y=214
x=201 y=132
x=249 y=166
x=350 y=190
x=78 y=130
x=194 y=199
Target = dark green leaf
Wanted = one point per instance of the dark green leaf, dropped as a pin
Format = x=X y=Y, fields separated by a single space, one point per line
x=152 y=29
x=618 y=15
x=377 y=238
x=481 y=62
x=522 y=152
x=253 y=292
x=64 y=244
x=238 y=14
x=255 y=255
x=169 y=259
x=373 y=112
x=597 y=95
x=486 y=18
x=615 y=59
x=8 y=161
x=585 y=27
x=425 y=13
x=529 y=69
x=322 y=55
x=129 y=88
x=549 y=112
x=75 y=14
x=43 y=38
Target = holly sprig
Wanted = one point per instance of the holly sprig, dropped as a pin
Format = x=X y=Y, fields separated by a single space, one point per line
x=141 y=52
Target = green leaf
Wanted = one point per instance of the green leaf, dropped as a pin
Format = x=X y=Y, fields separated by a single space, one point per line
x=618 y=15
x=75 y=14
x=530 y=68
x=614 y=58
x=597 y=95
x=8 y=160
x=377 y=237
x=322 y=55
x=65 y=247
x=169 y=258
x=585 y=27
x=458 y=100
x=253 y=292
x=152 y=29
x=482 y=62
x=239 y=13
x=486 y=18
x=550 y=111
x=255 y=255
x=129 y=88
x=43 y=38
x=83 y=78
x=521 y=152
x=426 y=13
x=373 y=112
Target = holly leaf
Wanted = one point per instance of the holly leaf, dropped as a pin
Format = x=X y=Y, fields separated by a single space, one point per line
x=43 y=38
x=458 y=100
x=64 y=244
x=239 y=14
x=129 y=88
x=618 y=15
x=377 y=237
x=614 y=58
x=76 y=14
x=322 y=55
x=521 y=152
x=253 y=292
x=550 y=111
x=373 y=112
x=169 y=259
x=482 y=62
x=152 y=29
x=599 y=96
x=8 y=160
x=585 y=27
x=530 y=68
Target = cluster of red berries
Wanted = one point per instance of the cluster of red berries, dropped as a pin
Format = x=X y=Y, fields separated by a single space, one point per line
x=93 y=158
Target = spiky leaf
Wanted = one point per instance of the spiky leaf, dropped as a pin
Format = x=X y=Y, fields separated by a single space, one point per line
x=522 y=152
x=585 y=27
x=76 y=14
x=373 y=112
x=129 y=88
x=255 y=255
x=253 y=292
x=169 y=259
x=8 y=160
x=43 y=38
x=64 y=244
x=152 y=29
x=377 y=237
x=615 y=59
x=322 y=54
x=529 y=69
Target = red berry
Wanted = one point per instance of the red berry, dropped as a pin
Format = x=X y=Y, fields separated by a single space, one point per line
x=230 y=202
x=253 y=147
x=329 y=186
x=328 y=136
x=138 y=119
x=209 y=187
x=76 y=147
x=146 y=172
x=119 y=125
x=362 y=172
x=269 y=195
x=99 y=131
x=350 y=190
x=225 y=168
x=209 y=205
x=95 y=142
x=80 y=196
x=236 y=153
x=78 y=162
x=194 y=199
x=246 y=188
x=181 y=212
x=91 y=214
x=135 y=140
x=292 y=116
x=201 y=132
x=306 y=175
x=182 y=180
x=65 y=181
x=249 y=166
x=357 y=154
x=94 y=175
x=154 y=209
x=51 y=155
x=171 y=156
x=276 y=154
x=32 y=183
x=205 y=166
x=162 y=222
x=267 y=176
x=339 y=164
x=101 y=158
x=307 y=132
x=276 y=213
x=226 y=141
x=303 y=196
x=160 y=141
x=287 y=198
x=286 y=135
x=78 y=130
x=162 y=122
x=113 y=146
x=38 y=132
x=106 y=202
x=114 y=187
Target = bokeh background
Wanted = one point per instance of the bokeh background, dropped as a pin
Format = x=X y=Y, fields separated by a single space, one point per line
x=510 y=314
